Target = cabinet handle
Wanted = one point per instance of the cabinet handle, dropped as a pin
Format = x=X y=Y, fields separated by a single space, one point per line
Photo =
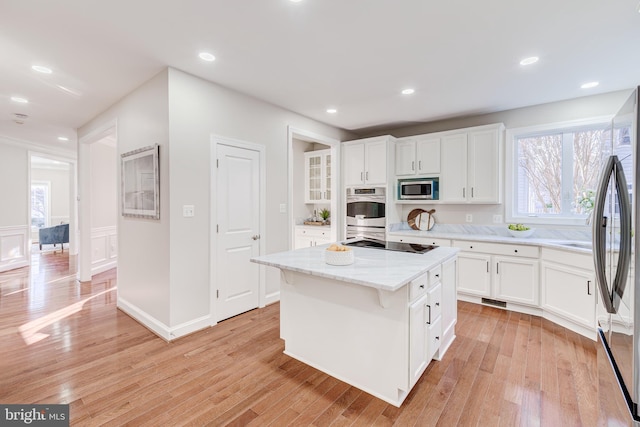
x=437 y=304
x=361 y=176
x=413 y=166
x=516 y=251
x=437 y=338
x=429 y=321
x=437 y=275
x=497 y=268
x=463 y=192
x=588 y=287
x=487 y=266
x=366 y=176
x=471 y=192
x=420 y=165
x=421 y=286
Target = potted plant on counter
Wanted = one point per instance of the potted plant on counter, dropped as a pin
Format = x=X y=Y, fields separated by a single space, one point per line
x=325 y=214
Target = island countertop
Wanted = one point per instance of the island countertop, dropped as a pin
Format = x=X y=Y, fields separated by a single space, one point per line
x=375 y=268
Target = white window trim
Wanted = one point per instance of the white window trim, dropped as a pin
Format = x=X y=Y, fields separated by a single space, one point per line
x=511 y=176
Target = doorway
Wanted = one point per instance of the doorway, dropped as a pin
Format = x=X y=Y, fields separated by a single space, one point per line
x=237 y=227
x=98 y=202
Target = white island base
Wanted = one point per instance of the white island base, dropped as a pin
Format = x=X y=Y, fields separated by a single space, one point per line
x=341 y=329
x=376 y=324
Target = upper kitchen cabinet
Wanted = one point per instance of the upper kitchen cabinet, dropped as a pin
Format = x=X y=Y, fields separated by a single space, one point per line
x=471 y=163
x=418 y=155
x=317 y=171
x=365 y=161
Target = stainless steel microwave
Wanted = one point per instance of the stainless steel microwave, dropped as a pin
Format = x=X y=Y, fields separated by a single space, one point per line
x=418 y=189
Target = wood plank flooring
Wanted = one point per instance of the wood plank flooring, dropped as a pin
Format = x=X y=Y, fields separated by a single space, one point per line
x=66 y=342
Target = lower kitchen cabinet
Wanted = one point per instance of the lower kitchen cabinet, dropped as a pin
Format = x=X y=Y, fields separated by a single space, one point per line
x=449 y=305
x=503 y=272
x=569 y=290
x=306 y=236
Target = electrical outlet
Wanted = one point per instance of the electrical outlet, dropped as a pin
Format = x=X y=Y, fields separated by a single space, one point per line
x=188 y=211
x=469 y=218
x=497 y=219
x=283 y=208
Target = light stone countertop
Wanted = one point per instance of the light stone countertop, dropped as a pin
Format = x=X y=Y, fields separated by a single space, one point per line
x=579 y=246
x=375 y=268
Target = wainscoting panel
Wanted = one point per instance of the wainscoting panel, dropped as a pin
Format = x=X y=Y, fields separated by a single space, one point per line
x=14 y=247
x=104 y=249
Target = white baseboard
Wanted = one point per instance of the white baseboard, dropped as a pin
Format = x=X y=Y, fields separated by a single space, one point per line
x=272 y=298
x=103 y=267
x=14 y=247
x=159 y=328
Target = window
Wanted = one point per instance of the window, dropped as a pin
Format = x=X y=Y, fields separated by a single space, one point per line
x=555 y=170
x=40 y=215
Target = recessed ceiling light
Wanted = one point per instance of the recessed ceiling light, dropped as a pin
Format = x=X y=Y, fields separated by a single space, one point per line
x=206 y=56
x=331 y=110
x=19 y=99
x=589 y=85
x=530 y=60
x=408 y=91
x=63 y=138
x=41 y=69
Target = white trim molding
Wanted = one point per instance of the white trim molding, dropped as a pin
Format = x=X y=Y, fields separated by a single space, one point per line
x=14 y=247
x=159 y=328
x=104 y=249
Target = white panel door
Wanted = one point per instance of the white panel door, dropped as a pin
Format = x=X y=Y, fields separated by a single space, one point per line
x=238 y=214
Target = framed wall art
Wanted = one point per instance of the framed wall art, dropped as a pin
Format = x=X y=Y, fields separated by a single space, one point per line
x=141 y=183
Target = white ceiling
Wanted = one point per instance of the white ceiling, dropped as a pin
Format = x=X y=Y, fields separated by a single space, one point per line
x=462 y=57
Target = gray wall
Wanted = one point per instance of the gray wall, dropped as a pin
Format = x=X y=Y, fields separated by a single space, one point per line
x=14 y=163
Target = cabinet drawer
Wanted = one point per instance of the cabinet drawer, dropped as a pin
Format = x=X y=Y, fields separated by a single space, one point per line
x=498 y=248
x=313 y=232
x=434 y=331
x=434 y=306
x=419 y=240
x=434 y=275
x=418 y=287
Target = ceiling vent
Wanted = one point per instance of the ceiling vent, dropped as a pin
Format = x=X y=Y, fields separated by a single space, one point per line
x=20 y=118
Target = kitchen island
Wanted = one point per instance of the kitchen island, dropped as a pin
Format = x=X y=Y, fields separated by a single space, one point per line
x=375 y=324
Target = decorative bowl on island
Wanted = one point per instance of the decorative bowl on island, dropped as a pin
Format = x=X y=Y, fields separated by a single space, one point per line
x=338 y=255
x=519 y=230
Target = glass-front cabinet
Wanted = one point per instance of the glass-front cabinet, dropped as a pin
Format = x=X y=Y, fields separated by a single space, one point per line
x=317 y=168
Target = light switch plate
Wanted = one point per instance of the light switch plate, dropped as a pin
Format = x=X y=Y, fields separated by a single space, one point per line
x=469 y=218
x=188 y=211
x=283 y=208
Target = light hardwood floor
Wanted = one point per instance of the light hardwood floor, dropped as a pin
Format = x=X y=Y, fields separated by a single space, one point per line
x=66 y=342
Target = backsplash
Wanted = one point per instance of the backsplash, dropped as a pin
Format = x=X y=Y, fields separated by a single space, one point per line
x=500 y=230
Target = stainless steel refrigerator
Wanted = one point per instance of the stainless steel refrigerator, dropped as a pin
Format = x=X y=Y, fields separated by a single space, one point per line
x=615 y=235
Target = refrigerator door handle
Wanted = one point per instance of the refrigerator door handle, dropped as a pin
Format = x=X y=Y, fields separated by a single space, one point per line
x=611 y=295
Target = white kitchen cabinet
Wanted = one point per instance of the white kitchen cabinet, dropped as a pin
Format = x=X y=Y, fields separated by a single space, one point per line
x=306 y=236
x=503 y=272
x=418 y=240
x=418 y=155
x=569 y=290
x=317 y=169
x=449 y=306
x=471 y=164
x=365 y=161
x=425 y=321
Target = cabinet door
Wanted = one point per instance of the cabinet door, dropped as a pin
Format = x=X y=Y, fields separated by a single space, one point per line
x=302 y=241
x=473 y=274
x=428 y=156
x=449 y=304
x=516 y=280
x=453 y=179
x=405 y=157
x=417 y=339
x=569 y=292
x=326 y=177
x=353 y=164
x=313 y=177
x=483 y=156
x=376 y=162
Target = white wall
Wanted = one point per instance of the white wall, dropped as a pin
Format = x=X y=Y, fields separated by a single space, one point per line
x=574 y=109
x=104 y=185
x=143 y=258
x=14 y=190
x=163 y=268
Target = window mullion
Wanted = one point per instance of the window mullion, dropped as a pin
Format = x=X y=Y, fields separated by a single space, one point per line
x=567 y=173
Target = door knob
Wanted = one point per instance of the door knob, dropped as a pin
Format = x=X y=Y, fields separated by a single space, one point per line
x=255 y=237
